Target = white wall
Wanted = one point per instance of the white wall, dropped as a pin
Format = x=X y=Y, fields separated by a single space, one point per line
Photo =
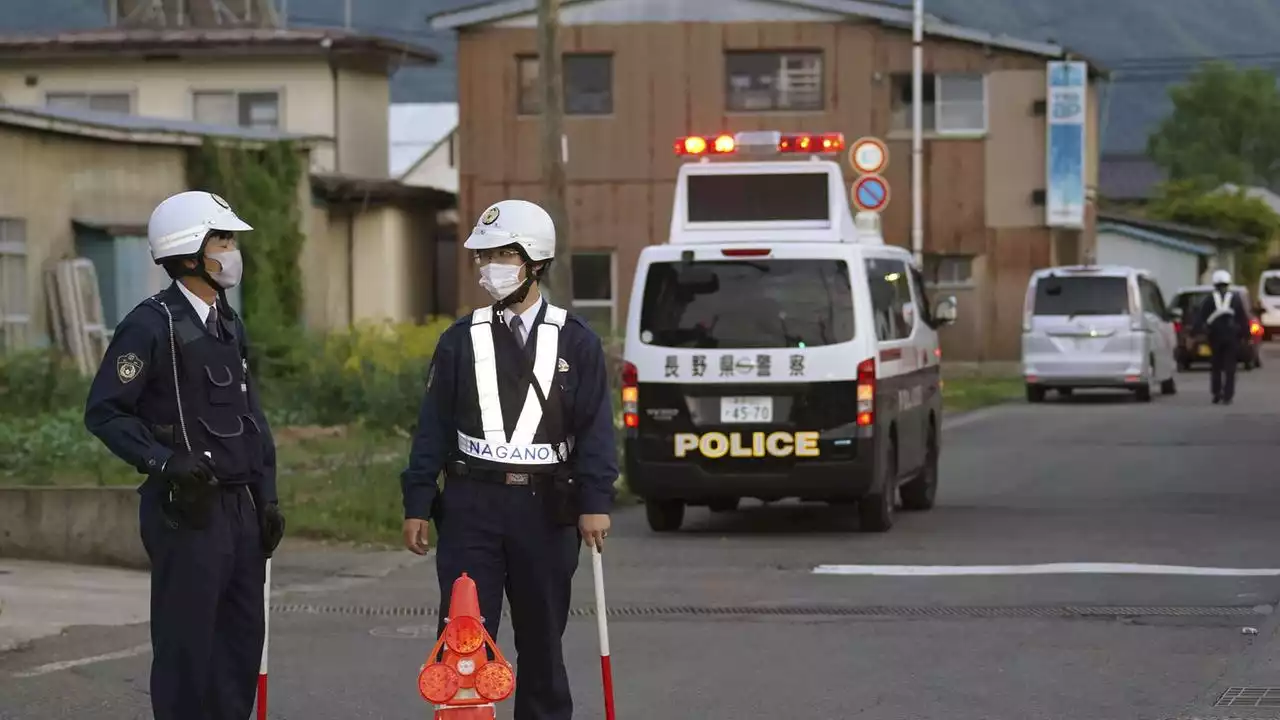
x=439 y=169
x=1171 y=268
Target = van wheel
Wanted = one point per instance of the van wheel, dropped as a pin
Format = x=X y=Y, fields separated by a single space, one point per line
x=1169 y=387
x=919 y=494
x=876 y=510
x=664 y=515
x=1143 y=393
x=1035 y=393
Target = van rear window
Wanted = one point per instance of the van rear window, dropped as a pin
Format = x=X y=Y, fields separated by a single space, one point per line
x=749 y=303
x=758 y=198
x=1271 y=285
x=1082 y=296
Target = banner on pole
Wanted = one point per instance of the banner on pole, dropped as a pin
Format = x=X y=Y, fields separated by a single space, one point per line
x=1068 y=92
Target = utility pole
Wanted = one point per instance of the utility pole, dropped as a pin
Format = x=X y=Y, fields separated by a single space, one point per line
x=346 y=14
x=917 y=133
x=553 y=149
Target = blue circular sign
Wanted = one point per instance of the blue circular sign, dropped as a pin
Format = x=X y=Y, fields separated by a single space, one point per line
x=871 y=193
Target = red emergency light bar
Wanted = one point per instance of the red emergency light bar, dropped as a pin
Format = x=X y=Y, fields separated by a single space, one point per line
x=725 y=144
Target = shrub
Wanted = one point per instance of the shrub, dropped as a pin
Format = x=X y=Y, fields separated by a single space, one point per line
x=39 y=381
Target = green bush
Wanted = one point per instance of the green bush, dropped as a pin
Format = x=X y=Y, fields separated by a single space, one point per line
x=33 y=382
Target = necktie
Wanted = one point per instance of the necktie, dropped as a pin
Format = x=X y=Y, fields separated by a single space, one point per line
x=211 y=321
x=515 y=330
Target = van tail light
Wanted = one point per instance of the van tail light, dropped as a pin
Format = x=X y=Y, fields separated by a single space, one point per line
x=1255 y=328
x=1177 y=327
x=867 y=392
x=1028 y=305
x=630 y=395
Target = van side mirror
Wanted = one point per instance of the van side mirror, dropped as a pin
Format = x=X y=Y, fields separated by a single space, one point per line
x=945 y=311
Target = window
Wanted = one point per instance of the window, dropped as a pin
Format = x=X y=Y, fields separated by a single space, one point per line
x=890 y=293
x=1082 y=296
x=15 y=307
x=762 y=81
x=593 y=289
x=925 y=303
x=97 y=102
x=748 y=303
x=948 y=270
x=588 y=84
x=1152 y=298
x=259 y=110
x=953 y=103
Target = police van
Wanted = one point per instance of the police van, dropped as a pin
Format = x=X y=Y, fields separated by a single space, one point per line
x=776 y=346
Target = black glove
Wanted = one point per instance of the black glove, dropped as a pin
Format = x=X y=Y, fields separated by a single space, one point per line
x=192 y=487
x=271 y=527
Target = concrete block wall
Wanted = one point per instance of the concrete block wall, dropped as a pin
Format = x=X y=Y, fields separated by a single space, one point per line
x=83 y=525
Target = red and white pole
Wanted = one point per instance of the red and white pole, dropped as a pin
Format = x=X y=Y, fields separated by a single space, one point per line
x=602 y=625
x=266 y=635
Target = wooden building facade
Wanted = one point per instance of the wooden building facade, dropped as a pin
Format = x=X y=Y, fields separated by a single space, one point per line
x=640 y=73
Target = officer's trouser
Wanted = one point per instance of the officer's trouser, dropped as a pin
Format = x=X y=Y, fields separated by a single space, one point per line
x=1223 y=361
x=207 y=620
x=502 y=537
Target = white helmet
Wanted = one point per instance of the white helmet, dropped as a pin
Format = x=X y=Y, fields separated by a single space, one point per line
x=179 y=225
x=1221 y=277
x=515 y=221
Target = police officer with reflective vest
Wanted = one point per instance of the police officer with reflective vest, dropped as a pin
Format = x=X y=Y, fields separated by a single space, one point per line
x=1226 y=321
x=517 y=413
x=173 y=398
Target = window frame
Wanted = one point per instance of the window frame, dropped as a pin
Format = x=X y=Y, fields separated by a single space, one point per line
x=129 y=95
x=19 y=248
x=780 y=55
x=932 y=262
x=236 y=95
x=935 y=108
x=531 y=107
x=612 y=302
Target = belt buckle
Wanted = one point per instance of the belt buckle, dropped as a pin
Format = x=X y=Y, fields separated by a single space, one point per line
x=517 y=479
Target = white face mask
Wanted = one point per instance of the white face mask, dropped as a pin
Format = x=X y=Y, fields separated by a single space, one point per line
x=500 y=280
x=232 y=268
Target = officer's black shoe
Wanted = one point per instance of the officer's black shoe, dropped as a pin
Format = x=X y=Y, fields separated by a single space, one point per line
x=1216 y=399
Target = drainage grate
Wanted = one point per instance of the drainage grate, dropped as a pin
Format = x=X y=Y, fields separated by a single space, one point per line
x=1067 y=611
x=1263 y=697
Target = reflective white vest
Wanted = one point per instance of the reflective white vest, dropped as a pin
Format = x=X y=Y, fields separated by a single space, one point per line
x=519 y=447
x=1221 y=306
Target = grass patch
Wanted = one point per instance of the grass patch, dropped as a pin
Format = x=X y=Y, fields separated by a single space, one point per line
x=962 y=394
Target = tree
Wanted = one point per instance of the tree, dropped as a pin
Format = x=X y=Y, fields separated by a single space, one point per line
x=1229 y=212
x=1225 y=127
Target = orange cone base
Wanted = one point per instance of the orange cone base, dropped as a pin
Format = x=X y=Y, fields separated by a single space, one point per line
x=477 y=712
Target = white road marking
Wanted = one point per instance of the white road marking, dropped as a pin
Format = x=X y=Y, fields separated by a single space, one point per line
x=1041 y=569
x=68 y=664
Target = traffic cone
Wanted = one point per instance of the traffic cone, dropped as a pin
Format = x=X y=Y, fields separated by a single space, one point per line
x=464 y=683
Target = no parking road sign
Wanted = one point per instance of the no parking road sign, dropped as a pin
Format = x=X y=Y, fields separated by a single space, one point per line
x=869 y=156
x=870 y=193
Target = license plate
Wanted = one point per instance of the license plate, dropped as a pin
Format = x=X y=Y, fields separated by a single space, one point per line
x=1204 y=351
x=746 y=409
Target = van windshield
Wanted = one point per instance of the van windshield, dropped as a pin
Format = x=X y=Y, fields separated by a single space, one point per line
x=1082 y=296
x=749 y=303
x=1271 y=285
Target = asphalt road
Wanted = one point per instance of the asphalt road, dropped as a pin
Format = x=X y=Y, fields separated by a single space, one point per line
x=728 y=620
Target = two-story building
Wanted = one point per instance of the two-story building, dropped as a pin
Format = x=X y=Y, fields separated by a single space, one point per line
x=639 y=74
x=329 y=85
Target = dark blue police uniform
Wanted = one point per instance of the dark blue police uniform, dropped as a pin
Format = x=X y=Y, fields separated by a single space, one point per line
x=513 y=492
x=1228 y=330
x=207 y=561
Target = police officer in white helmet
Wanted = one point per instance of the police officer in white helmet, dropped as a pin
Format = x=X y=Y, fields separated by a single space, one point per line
x=173 y=398
x=1223 y=317
x=518 y=415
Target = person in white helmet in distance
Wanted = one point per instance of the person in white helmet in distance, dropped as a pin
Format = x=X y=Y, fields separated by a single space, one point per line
x=517 y=413
x=1224 y=318
x=173 y=397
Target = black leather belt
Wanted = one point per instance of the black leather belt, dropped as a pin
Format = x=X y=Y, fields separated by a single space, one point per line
x=460 y=469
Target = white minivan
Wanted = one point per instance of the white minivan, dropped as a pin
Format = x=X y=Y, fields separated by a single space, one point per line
x=1090 y=326
x=1269 y=302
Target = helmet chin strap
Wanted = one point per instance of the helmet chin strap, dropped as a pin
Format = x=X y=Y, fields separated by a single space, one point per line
x=202 y=272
